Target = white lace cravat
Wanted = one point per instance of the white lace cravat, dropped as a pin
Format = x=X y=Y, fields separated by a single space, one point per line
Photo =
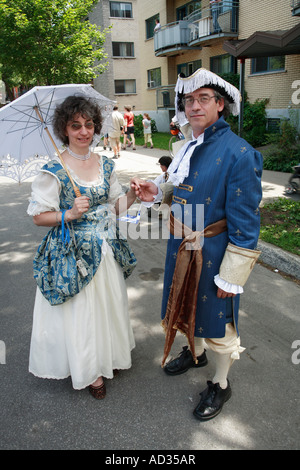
x=180 y=166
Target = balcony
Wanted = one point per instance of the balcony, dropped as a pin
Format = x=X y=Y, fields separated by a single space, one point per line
x=295 y=6
x=172 y=38
x=201 y=27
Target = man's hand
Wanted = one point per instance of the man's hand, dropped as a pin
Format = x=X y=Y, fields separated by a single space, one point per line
x=222 y=294
x=144 y=190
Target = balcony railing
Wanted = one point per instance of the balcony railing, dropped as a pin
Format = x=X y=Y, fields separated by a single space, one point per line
x=203 y=24
x=295 y=6
x=172 y=35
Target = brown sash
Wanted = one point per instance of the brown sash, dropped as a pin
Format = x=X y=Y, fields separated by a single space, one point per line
x=182 y=302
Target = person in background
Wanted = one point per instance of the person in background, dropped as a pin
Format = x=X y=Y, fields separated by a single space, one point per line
x=206 y=269
x=129 y=128
x=157 y=26
x=81 y=325
x=116 y=131
x=164 y=163
x=215 y=14
x=106 y=142
x=147 y=130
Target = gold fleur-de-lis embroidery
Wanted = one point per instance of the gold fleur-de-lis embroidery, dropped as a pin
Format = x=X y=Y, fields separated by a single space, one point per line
x=214 y=128
x=218 y=160
x=238 y=232
x=209 y=264
x=256 y=211
x=204 y=298
x=243 y=149
x=200 y=329
x=220 y=314
x=174 y=255
x=208 y=200
x=196 y=174
x=238 y=192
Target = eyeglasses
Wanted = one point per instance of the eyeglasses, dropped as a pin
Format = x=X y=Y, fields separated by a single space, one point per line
x=76 y=126
x=190 y=100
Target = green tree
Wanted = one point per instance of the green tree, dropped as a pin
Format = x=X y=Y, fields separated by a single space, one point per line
x=48 y=42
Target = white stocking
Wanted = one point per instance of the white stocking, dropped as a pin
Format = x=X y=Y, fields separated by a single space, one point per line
x=223 y=364
x=199 y=345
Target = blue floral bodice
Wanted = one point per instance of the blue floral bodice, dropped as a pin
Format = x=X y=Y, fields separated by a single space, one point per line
x=56 y=261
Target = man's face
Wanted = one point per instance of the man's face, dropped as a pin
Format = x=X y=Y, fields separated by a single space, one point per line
x=202 y=115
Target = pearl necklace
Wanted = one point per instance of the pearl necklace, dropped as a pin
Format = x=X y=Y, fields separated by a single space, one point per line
x=79 y=157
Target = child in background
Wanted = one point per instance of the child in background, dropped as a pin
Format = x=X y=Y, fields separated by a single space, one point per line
x=147 y=130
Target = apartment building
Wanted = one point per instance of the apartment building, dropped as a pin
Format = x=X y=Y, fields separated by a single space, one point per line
x=121 y=81
x=260 y=39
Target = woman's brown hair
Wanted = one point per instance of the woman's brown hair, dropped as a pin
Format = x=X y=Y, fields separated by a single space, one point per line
x=68 y=109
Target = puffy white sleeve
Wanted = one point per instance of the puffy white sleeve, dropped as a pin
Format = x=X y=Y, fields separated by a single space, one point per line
x=45 y=191
x=116 y=190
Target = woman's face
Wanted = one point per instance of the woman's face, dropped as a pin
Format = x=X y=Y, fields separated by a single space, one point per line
x=80 y=131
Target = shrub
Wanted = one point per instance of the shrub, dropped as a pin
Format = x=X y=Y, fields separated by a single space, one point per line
x=255 y=122
x=254 y=119
x=285 y=153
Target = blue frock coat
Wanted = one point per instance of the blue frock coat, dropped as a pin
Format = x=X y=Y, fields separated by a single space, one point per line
x=225 y=177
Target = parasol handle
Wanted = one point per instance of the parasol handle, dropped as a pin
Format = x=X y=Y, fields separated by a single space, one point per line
x=76 y=189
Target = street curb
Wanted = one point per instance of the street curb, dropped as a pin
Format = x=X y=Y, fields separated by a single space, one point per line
x=279 y=259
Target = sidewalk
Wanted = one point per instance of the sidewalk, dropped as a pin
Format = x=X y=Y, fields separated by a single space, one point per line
x=144 y=408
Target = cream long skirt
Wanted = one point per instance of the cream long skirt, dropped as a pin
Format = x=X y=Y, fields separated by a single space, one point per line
x=89 y=335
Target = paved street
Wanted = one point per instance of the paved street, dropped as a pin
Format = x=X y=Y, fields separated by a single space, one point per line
x=144 y=408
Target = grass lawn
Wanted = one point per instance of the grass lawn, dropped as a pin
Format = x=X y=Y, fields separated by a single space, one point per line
x=280 y=224
x=160 y=140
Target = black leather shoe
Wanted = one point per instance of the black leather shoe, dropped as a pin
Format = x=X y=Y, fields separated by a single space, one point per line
x=183 y=362
x=212 y=401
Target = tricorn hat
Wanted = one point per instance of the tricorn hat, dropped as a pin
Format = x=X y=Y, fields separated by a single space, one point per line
x=203 y=78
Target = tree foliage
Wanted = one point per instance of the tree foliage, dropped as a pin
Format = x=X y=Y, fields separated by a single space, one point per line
x=48 y=42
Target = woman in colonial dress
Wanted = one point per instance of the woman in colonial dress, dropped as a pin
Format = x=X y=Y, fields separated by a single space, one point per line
x=81 y=325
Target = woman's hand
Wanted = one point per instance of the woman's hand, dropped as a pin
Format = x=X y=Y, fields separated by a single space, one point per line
x=80 y=206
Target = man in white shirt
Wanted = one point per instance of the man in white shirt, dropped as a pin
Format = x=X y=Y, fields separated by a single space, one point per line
x=116 y=130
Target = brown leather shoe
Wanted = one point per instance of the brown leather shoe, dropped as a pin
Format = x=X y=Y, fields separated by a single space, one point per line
x=98 y=392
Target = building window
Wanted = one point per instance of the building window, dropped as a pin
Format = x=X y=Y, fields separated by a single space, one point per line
x=273 y=125
x=189 y=67
x=150 y=25
x=154 y=78
x=123 y=49
x=223 y=64
x=267 y=64
x=125 y=87
x=121 y=10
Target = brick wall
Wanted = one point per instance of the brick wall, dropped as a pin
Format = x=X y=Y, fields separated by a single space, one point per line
x=268 y=15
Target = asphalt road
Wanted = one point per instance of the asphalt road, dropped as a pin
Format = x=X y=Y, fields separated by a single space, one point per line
x=144 y=408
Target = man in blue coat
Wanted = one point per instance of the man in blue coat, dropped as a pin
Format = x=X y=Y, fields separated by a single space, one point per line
x=221 y=173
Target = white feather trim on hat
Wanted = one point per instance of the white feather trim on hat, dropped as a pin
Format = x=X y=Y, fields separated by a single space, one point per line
x=205 y=78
